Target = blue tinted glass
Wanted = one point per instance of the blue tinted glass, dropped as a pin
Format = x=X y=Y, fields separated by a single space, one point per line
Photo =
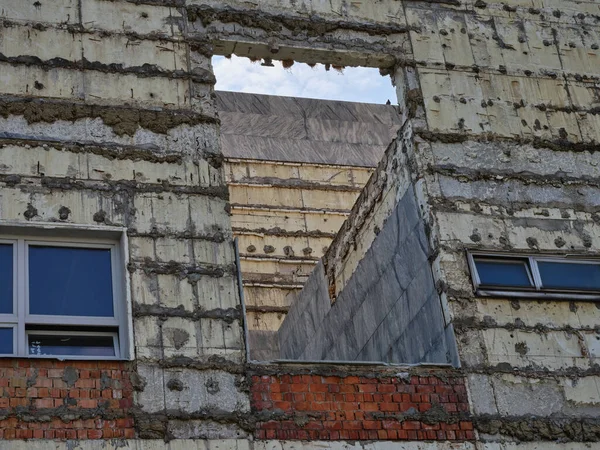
x=6 y=341
x=503 y=272
x=6 y=279
x=70 y=281
x=71 y=345
x=559 y=275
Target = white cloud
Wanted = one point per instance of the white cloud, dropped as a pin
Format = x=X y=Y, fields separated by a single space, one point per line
x=355 y=84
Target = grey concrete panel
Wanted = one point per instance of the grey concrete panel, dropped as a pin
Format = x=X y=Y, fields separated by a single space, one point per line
x=481 y=388
x=389 y=310
x=263 y=345
x=304 y=130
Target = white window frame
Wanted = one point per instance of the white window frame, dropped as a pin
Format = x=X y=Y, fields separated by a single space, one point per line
x=21 y=236
x=537 y=289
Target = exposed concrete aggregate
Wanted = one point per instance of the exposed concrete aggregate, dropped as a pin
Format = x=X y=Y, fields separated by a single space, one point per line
x=121 y=119
x=522 y=75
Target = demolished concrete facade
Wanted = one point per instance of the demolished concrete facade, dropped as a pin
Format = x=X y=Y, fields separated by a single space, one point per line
x=107 y=119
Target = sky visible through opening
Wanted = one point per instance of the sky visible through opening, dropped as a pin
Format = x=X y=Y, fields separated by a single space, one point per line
x=354 y=84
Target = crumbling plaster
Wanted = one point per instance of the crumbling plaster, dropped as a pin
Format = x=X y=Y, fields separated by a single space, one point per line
x=517 y=79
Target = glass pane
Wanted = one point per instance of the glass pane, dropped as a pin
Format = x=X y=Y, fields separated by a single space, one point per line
x=503 y=272
x=6 y=279
x=6 y=341
x=67 y=281
x=560 y=275
x=71 y=345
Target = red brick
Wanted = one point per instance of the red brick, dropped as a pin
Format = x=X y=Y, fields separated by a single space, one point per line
x=88 y=403
x=44 y=403
x=94 y=434
x=71 y=434
x=299 y=387
x=367 y=388
x=427 y=388
x=369 y=406
x=372 y=425
x=372 y=434
x=302 y=406
x=406 y=406
x=411 y=425
x=424 y=407
x=466 y=425
x=10 y=433
x=318 y=388
x=352 y=425
x=313 y=425
x=447 y=390
x=389 y=407
x=55 y=373
x=332 y=425
x=350 y=380
x=285 y=406
x=24 y=434
x=349 y=406
x=386 y=388
x=321 y=406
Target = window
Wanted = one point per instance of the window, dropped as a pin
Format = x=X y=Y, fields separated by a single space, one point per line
x=63 y=297
x=516 y=275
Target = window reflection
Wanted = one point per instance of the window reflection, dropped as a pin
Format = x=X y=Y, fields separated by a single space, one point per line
x=561 y=275
x=6 y=279
x=70 y=281
x=6 y=341
x=40 y=345
x=503 y=272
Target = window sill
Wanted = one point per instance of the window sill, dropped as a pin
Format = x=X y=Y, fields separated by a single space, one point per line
x=567 y=296
x=67 y=358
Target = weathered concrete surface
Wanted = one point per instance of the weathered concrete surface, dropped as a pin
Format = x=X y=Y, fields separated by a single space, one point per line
x=503 y=97
x=106 y=118
x=516 y=79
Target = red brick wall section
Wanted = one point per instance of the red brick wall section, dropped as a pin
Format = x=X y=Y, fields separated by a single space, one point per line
x=45 y=399
x=361 y=408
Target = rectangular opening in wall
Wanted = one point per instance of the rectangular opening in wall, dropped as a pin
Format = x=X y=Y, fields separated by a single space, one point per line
x=301 y=139
x=300 y=80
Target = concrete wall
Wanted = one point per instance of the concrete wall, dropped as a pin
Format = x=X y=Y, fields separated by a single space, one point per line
x=112 y=99
x=503 y=99
x=508 y=160
x=386 y=306
x=106 y=119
